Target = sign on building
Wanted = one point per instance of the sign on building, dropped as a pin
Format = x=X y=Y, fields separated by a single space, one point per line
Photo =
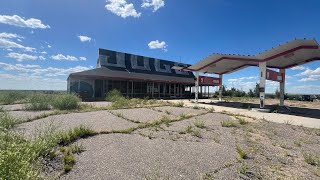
x=274 y=76
x=134 y=63
x=210 y=81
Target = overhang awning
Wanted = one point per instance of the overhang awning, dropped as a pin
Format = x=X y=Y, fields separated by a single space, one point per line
x=288 y=55
x=106 y=73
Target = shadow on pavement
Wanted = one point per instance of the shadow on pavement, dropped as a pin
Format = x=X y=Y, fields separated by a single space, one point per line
x=296 y=111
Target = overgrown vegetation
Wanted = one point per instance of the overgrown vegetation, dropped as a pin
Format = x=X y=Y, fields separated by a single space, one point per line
x=119 y=101
x=20 y=158
x=66 y=102
x=11 y=97
x=74 y=134
x=38 y=102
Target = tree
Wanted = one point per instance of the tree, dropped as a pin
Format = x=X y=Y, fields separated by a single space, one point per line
x=277 y=93
x=256 y=90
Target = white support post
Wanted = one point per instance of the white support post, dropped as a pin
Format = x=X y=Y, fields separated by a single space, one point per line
x=282 y=86
x=220 y=87
x=262 y=85
x=196 y=87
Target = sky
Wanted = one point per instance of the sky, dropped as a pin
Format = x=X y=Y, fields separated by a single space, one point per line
x=42 y=41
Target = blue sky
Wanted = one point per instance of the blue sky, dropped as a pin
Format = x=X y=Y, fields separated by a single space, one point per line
x=40 y=40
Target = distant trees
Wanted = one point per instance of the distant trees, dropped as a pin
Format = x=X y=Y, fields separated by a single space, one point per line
x=234 y=92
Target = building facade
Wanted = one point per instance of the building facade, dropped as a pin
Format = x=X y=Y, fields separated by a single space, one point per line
x=134 y=76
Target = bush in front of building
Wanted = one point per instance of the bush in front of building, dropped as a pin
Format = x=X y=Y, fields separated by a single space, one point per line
x=66 y=102
x=114 y=95
x=38 y=102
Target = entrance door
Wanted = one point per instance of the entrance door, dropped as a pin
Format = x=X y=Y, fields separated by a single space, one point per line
x=98 y=87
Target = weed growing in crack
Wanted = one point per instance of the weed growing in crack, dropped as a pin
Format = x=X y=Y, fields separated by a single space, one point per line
x=241 y=152
x=311 y=159
x=188 y=129
x=242 y=121
x=196 y=133
x=199 y=124
x=243 y=169
x=228 y=123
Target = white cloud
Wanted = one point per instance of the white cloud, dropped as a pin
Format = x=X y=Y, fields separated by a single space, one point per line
x=36 y=70
x=298 y=68
x=8 y=44
x=158 y=45
x=309 y=72
x=10 y=36
x=16 y=20
x=307 y=79
x=242 y=78
x=22 y=57
x=83 y=58
x=155 y=4
x=41 y=58
x=84 y=38
x=43 y=52
x=49 y=46
x=63 y=57
x=122 y=8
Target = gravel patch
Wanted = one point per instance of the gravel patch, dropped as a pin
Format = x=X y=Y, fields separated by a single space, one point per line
x=177 y=111
x=122 y=156
x=24 y=115
x=140 y=114
x=13 y=107
x=98 y=121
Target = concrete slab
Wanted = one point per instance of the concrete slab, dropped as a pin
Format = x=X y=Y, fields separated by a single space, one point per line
x=140 y=114
x=12 y=107
x=98 y=121
x=123 y=156
x=273 y=117
x=24 y=115
x=177 y=111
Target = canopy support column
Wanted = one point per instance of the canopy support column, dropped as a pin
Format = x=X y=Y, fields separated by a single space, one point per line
x=282 y=86
x=196 y=87
x=263 y=69
x=220 y=87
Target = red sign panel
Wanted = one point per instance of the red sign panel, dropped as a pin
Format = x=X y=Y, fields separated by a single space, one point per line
x=274 y=76
x=211 y=81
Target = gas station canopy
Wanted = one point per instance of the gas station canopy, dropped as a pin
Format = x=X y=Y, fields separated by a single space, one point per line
x=288 y=55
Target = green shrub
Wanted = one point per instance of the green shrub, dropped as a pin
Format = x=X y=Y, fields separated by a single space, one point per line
x=66 y=102
x=7 y=121
x=38 y=102
x=11 y=97
x=114 y=95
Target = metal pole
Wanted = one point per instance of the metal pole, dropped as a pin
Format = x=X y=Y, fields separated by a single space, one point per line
x=282 y=86
x=220 y=87
x=263 y=69
x=196 y=87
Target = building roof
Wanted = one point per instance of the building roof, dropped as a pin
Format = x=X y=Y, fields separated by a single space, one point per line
x=288 y=55
x=106 y=73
